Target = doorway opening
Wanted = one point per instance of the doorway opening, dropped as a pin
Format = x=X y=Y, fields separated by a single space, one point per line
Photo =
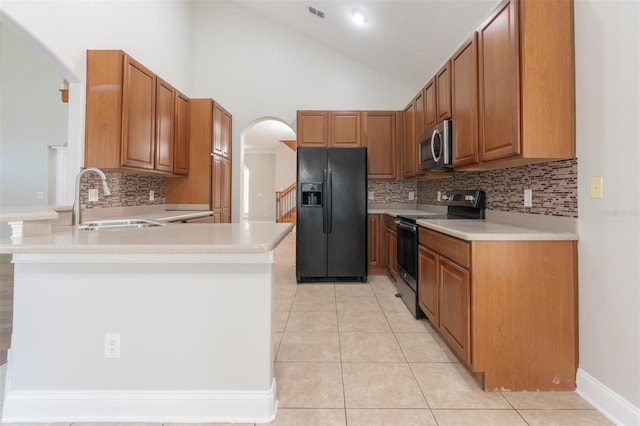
x=268 y=153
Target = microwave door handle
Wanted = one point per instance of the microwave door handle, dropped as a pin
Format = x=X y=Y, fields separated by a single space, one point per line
x=433 y=153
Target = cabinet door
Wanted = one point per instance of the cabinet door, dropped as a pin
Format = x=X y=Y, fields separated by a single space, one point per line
x=428 y=294
x=392 y=253
x=418 y=103
x=430 y=115
x=217 y=129
x=374 y=239
x=464 y=92
x=443 y=93
x=226 y=134
x=181 y=149
x=139 y=114
x=226 y=191
x=165 y=119
x=345 y=129
x=498 y=71
x=408 y=142
x=313 y=128
x=380 y=139
x=216 y=183
x=455 y=307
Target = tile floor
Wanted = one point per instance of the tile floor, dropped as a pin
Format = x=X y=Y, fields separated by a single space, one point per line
x=351 y=354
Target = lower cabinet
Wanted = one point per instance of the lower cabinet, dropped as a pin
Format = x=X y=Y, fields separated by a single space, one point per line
x=391 y=242
x=376 y=248
x=507 y=309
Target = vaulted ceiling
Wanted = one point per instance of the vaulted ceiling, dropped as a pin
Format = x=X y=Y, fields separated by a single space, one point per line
x=405 y=40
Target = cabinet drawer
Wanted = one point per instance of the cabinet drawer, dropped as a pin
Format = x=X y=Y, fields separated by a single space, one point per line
x=390 y=222
x=455 y=249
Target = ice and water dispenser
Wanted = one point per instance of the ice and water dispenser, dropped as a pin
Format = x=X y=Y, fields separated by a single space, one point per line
x=311 y=194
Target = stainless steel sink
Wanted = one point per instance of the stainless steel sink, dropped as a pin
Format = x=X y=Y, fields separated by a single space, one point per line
x=107 y=225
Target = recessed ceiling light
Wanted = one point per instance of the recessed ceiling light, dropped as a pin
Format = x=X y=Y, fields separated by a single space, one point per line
x=358 y=17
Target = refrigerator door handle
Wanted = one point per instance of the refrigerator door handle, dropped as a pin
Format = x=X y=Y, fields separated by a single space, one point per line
x=324 y=202
x=329 y=203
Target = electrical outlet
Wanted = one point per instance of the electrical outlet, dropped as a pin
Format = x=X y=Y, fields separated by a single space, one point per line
x=528 y=198
x=439 y=195
x=412 y=195
x=151 y=196
x=112 y=345
x=93 y=195
x=595 y=189
x=371 y=195
x=39 y=195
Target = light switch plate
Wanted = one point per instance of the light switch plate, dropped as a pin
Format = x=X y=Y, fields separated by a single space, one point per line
x=371 y=195
x=93 y=195
x=412 y=195
x=528 y=198
x=595 y=188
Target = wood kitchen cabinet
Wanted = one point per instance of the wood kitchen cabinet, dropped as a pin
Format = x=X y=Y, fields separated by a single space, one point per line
x=391 y=241
x=221 y=131
x=443 y=93
x=181 y=151
x=130 y=115
x=313 y=128
x=507 y=309
x=376 y=248
x=165 y=120
x=437 y=97
x=379 y=136
x=409 y=148
x=418 y=120
x=464 y=94
x=526 y=83
x=340 y=129
x=430 y=114
x=345 y=129
x=209 y=179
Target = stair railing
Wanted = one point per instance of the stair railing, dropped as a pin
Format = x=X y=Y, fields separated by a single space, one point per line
x=286 y=204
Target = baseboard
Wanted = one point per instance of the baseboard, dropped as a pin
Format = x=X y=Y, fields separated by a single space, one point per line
x=613 y=406
x=141 y=406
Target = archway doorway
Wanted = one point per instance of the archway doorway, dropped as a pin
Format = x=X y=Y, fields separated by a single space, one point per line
x=271 y=162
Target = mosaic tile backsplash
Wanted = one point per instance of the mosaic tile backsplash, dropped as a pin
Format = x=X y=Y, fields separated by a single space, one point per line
x=392 y=192
x=554 y=187
x=127 y=190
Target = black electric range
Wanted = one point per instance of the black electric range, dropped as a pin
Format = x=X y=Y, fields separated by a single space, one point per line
x=468 y=204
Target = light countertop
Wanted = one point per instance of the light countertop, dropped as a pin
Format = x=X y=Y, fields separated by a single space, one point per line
x=498 y=226
x=9 y=214
x=174 y=238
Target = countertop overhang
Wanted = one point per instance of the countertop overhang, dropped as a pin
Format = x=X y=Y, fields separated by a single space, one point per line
x=195 y=238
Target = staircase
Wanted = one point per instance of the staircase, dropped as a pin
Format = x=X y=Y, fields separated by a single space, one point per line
x=286 y=204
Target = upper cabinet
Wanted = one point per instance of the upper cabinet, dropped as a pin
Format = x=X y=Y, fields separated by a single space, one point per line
x=376 y=130
x=430 y=114
x=464 y=94
x=443 y=93
x=181 y=148
x=526 y=83
x=221 y=131
x=409 y=148
x=379 y=136
x=132 y=116
x=340 y=129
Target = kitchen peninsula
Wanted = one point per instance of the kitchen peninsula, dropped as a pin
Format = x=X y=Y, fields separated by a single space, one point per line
x=170 y=323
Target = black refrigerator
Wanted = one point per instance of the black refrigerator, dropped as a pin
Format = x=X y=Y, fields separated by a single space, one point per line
x=331 y=210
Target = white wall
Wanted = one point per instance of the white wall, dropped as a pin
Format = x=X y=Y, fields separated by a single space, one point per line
x=262 y=188
x=32 y=117
x=160 y=37
x=285 y=166
x=608 y=141
x=257 y=69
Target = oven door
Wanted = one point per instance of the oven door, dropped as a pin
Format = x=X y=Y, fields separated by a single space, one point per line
x=407 y=234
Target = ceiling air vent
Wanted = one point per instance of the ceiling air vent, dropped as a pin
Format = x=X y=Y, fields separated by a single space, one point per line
x=316 y=11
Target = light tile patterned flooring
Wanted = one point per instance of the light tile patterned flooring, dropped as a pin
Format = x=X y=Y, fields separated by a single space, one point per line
x=351 y=354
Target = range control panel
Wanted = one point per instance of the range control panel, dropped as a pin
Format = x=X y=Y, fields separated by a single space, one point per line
x=466 y=198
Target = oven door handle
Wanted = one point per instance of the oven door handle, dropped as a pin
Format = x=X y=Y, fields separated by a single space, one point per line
x=410 y=228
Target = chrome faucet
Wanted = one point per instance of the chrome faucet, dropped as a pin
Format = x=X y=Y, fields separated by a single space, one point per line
x=76 y=214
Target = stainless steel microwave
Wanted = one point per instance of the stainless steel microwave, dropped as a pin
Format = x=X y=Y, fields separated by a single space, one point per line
x=435 y=147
